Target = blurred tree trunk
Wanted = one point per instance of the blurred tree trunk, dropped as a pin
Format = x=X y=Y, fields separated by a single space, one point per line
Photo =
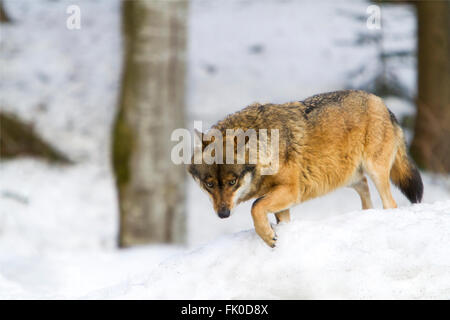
x=150 y=186
x=431 y=144
x=3 y=15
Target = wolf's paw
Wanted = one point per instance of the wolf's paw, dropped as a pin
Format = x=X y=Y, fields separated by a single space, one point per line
x=271 y=239
x=267 y=233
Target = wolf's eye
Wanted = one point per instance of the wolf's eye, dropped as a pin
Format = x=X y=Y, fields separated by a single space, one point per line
x=232 y=182
x=210 y=184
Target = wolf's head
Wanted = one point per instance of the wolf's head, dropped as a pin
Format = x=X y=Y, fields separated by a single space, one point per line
x=226 y=184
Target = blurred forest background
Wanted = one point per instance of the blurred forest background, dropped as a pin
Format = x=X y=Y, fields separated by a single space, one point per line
x=87 y=110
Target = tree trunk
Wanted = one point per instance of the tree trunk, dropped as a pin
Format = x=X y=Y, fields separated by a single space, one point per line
x=4 y=18
x=431 y=145
x=150 y=186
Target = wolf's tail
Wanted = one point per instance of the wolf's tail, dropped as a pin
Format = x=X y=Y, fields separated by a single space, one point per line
x=404 y=173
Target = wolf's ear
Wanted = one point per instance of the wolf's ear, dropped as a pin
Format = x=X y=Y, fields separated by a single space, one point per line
x=191 y=169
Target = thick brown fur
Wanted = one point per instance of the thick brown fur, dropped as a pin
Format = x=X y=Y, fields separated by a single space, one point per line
x=327 y=141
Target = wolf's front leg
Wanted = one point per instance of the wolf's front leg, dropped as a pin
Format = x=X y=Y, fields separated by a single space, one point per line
x=280 y=198
x=263 y=228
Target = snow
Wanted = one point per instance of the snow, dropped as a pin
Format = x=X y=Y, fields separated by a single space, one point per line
x=375 y=254
x=305 y=48
x=64 y=81
x=72 y=274
x=47 y=203
x=58 y=225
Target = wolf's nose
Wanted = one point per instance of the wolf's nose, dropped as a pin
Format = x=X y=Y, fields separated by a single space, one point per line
x=224 y=213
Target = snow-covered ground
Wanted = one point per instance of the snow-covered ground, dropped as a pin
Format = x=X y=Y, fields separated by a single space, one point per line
x=58 y=225
x=376 y=254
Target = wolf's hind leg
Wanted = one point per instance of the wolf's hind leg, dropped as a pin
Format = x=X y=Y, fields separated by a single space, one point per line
x=384 y=189
x=363 y=190
x=380 y=177
x=381 y=143
x=283 y=216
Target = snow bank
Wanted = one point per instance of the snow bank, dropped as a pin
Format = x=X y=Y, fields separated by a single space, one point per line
x=386 y=254
x=72 y=274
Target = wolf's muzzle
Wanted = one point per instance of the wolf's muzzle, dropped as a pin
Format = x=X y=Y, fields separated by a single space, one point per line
x=223 y=213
